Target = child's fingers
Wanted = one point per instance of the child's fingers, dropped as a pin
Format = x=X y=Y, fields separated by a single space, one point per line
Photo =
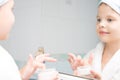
x=79 y=58
x=30 y=59
x=71 y=58
x=79 y=61
x=96 y=75
x=42 y=58
x=73 y=61
x=39 y=65
x=49 y=59
x=90 y=60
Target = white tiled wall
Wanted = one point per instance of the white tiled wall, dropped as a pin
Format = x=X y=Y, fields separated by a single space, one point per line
x=60 y=26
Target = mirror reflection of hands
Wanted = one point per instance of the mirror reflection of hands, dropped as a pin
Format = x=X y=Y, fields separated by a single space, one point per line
x=33 y=64
x=39 y=60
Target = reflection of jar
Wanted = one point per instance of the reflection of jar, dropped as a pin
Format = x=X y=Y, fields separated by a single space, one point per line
x=83 y=70
x=47 y=74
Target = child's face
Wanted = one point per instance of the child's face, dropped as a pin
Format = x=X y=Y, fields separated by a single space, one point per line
x=6 y=19
x=108 y=24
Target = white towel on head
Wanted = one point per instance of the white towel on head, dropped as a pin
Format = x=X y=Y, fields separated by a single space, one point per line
x=114 y=4
x=3 y=2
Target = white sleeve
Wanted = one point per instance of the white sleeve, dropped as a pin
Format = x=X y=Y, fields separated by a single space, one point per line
x=8 y=67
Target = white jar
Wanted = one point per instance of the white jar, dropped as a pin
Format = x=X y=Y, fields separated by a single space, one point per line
x=83 y=70
x=47 y=74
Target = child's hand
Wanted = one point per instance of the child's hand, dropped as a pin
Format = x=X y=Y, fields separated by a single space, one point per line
x=74 y=61
x=96 y=75
x=78 y=61
x=33 y=63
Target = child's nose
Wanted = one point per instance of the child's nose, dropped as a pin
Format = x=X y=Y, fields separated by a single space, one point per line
x=102 y=24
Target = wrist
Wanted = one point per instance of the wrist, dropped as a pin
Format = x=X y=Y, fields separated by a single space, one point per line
x=26 y=72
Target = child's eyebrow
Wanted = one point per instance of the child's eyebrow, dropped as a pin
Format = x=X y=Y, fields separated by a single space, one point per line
x=97 y=16
x=111 y=16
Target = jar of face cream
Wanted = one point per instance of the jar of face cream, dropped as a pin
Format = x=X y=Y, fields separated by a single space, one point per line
x=84 y=70
x=47 y=74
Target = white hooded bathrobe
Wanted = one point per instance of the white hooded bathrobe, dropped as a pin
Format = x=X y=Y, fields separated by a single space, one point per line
x=111 y=70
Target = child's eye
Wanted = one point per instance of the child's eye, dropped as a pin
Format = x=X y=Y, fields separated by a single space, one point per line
x=109 y=20
x=98 y=20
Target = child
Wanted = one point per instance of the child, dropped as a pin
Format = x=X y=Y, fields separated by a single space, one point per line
x=8 y=68
x=105 y=58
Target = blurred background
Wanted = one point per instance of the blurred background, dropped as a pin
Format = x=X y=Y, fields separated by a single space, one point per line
x=60 y=26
